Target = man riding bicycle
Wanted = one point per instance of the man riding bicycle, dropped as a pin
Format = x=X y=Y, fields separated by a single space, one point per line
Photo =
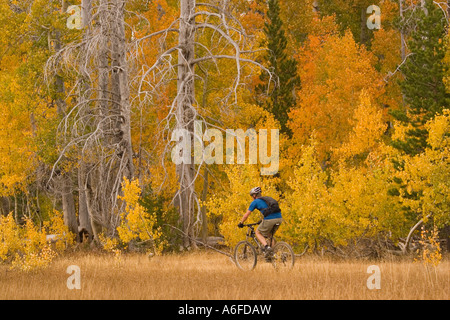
x=272 y=216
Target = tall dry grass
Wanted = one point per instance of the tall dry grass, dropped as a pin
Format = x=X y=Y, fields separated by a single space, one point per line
x=207 y=275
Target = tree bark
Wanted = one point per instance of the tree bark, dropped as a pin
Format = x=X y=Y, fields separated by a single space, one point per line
x=64 y=181
x=112 y=146
x=203 y=209
x=83 y=210
x=448 y=19
x=186 y=196
x=124 y=92
x=409 y=237
x=402 y=33
x=84 y=95
x=92 y=208
x=363 y=27
x=68 y=203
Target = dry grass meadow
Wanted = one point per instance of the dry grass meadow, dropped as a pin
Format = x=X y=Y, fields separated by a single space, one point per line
x=209 y=275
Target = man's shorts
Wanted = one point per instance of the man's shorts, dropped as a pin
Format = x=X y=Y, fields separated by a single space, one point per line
x=266 y=226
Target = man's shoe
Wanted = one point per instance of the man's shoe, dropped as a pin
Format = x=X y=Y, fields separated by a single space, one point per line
x=268 y=253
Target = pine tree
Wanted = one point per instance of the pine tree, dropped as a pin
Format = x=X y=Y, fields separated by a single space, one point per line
x=423 y=87
x=280 y=98
x=425 y=97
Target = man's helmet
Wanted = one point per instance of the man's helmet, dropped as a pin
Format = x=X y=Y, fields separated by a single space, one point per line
x=255 y=190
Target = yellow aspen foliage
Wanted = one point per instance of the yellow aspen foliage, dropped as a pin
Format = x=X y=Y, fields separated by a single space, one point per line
x=111 y=245
x=385 y=46
x=334 y=208
x=388 y=52
x=361 y=204
x=26 y=246
x=430 y=252
x=438 y=130
x=250 y=15
x=367 y=130
x=334 y=70
x=306 y=212
x=34 y=251
x=9 y=236
x=297 y=17
x=16 y=148
x=136 y=223
x=56 y=226
x=427 y=175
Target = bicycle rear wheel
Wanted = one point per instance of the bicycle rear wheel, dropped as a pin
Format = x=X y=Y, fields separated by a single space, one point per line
x=245 y=255
x=283 y=257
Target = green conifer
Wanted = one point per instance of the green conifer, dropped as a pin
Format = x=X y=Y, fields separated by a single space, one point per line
x=423 y=87
x=278 y=96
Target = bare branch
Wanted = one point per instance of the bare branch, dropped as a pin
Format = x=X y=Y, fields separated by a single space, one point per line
x=391 y=74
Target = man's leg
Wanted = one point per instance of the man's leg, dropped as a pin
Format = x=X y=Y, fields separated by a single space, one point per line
x=274 y=230
x=260 y=237
x=263 y=230
x=272 y=242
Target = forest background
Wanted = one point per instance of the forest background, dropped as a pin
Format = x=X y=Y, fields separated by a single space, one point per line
x=91 y=90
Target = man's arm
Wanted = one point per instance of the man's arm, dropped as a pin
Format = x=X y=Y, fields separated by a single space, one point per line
x=245 y=216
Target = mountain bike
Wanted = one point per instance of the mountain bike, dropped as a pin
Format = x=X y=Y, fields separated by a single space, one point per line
x=246 y=251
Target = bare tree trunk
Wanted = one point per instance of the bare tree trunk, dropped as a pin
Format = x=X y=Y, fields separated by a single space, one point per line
x=86 y=12
x=83 y=210
x=448 y=18
x=100 y=127
x=203 y=210
x=183 y=110
x=64 y=181
x=92 y=207
x=315 y=6
x=113 y=147
x=5 y=205
x=68 y=204
x=84 y=217
x=16 y=210
x=363 y=27
x=186 y=196
x=124 y=92
x=402 y=33
x=103 y=68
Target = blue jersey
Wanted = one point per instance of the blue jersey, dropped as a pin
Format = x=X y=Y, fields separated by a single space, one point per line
x=261 y=205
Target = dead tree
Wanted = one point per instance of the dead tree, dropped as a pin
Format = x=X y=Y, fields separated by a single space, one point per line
x=98 y=126
x=185 y=114
x=184 y=109
x=63 y=179
x=84 y=218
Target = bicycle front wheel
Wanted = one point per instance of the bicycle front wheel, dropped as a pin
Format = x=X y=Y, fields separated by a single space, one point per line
x=283 y=257
x=245 y=255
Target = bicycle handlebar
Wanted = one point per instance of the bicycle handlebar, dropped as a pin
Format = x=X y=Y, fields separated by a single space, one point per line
x=252 y=224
